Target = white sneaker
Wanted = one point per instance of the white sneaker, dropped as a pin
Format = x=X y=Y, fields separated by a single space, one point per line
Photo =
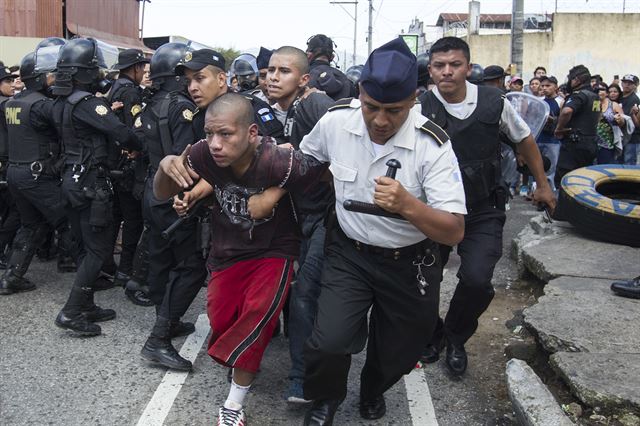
x=228 y=417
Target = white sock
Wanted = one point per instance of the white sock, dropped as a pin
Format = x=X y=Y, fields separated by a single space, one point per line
x=236 y=396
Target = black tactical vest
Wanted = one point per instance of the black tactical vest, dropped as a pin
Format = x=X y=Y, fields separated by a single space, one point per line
x=585 y=121
x=475 y=141
x=93 y=150
x=25 y=144
x=4 y=140
x=115 y=92
x=157 y=133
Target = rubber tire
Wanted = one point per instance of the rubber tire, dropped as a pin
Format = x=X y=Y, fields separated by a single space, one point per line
x=584 y=203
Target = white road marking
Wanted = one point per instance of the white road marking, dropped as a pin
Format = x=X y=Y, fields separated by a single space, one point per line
x=158 y=408
x=419 y=396
x=420 y=404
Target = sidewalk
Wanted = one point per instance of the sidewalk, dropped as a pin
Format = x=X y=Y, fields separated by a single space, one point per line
x=592 y=335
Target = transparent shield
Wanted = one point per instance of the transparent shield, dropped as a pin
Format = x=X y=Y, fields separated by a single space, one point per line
x=532 y=110
x=107 y=54
x=46 y=58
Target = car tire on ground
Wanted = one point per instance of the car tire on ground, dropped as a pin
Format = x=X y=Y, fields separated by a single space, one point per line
x=603 y=202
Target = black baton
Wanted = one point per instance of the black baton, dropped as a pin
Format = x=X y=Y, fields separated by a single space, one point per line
x=374 y=209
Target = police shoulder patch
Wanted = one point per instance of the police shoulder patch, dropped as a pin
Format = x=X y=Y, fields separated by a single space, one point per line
x=135 y=110
x=187 y=114
x=101 y=110
x=137 y=123
x=435 y=131
x=341 y=104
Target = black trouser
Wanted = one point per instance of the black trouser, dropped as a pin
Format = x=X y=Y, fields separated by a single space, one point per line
x=354 y=280
x=479 y=252
x=39 y=201
x=9 y=219
x=176 y=266
x=128 y=211
x=574 y=155
x=91 y=224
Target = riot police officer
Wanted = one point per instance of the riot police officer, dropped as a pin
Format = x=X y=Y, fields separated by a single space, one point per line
x=132 y=165
x=34 y=171
x=245 y=69
x=176 y=265
x=9 y=218
x=322 y=75
x=92 y=137
x=577 y=124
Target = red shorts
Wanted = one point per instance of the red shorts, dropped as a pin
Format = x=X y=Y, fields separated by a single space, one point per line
x=244 y=302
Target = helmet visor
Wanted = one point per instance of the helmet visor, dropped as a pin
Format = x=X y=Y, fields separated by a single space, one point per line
x=46 y=59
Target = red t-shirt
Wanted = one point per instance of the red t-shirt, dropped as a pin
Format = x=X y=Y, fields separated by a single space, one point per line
x=235 y=236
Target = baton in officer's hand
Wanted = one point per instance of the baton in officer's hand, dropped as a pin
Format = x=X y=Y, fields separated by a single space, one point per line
x=374 y=209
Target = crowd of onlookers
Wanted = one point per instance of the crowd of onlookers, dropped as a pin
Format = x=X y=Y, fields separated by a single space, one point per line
x=618 y=130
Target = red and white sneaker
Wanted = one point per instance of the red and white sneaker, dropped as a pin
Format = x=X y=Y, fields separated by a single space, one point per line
x=228 y=417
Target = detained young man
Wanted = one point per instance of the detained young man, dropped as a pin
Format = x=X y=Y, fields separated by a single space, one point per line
x=250 y=260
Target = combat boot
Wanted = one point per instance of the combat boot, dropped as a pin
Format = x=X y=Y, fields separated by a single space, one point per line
x=94 y=313
x=138 y=293
x=71 y=317
x=11 y=283
x=159 y=350
x=179 y=328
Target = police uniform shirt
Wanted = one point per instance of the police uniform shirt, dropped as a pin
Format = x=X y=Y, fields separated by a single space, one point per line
x=429 y=172
x=93 y=114
x=131 y=96
x=511 y=123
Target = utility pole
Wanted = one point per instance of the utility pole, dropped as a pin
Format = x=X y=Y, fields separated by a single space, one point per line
x=517 y=29
x=355 y=22
x=370 y=32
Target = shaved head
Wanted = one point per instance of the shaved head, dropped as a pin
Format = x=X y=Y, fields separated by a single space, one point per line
x=299 y=57
x=238 y=105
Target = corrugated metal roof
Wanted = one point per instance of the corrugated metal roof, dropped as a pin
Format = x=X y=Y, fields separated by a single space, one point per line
x=31 y=18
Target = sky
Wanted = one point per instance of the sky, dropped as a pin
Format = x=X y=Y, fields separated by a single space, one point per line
x=246 y=25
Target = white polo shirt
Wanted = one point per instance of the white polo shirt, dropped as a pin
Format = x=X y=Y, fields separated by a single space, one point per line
x=429 y=172
x=510 y=122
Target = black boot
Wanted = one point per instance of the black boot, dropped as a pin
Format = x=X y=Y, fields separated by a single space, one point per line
x=159 y=350
x=121 y=279
x=94 y=313
x=137 y=293
x=11 y=283
x=179 y=328
x=71 y=317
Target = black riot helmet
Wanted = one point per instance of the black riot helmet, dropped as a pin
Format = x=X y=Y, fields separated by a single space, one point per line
x=31 y=79
x=165 y=59
x=84 y=62
x=163 y=66
x=51 y=41
x=320 y=45
x=354 y=73
x=580 y=72
x=423 y=68
x=245 y=68
x=476 y=75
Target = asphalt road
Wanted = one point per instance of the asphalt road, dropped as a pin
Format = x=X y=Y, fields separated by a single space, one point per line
x=48 y=377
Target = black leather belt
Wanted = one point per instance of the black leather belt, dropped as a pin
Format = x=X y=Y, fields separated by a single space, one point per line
x=412 y=251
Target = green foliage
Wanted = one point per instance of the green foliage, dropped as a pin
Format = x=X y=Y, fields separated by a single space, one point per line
x=229 y=54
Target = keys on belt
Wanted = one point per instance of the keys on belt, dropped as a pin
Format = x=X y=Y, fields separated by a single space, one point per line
x=78 y=170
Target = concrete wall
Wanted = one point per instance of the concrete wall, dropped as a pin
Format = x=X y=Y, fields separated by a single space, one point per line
x=13 y=49
x=607 y=43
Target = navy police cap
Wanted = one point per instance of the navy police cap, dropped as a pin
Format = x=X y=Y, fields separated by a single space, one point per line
x=391 y=73
x=199 y=59
x=263 y=58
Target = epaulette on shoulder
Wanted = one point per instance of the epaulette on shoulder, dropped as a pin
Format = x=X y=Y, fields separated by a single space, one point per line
x=340 y=104
x=435 y=131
